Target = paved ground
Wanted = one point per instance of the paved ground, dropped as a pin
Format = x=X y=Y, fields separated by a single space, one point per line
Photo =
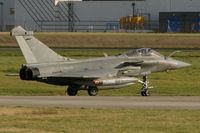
x=190 y=102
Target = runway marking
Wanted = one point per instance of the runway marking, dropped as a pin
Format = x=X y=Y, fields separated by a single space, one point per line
x=167 y=102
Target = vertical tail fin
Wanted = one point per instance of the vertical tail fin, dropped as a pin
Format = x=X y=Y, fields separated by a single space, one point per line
x=33 y=50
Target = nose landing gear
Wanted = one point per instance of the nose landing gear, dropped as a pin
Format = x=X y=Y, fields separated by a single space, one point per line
x=145 y=87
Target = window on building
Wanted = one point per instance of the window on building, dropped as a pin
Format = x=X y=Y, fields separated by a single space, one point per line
x=12 y=11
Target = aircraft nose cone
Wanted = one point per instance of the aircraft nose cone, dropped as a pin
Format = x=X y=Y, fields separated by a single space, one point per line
x=175 y=64
x=183 y=64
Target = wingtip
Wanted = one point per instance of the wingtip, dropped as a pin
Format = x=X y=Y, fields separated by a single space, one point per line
x=19 y=31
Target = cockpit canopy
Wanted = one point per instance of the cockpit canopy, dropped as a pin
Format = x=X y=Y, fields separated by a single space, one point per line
x=142 y=52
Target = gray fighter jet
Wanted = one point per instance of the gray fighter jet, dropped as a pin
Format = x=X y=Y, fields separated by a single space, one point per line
x=44 y=65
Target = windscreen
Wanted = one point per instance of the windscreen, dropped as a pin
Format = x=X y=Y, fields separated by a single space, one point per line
x=142 y=52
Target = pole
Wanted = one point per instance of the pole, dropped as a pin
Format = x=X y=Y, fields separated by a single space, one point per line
x=1 y=4
x=133 y=4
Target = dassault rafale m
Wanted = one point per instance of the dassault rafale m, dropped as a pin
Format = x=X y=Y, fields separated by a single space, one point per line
x=44 y=65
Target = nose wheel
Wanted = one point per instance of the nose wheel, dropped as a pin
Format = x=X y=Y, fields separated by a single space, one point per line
x=145 y=87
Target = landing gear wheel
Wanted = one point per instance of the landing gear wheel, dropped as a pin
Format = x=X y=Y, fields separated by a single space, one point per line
x=145 y=87
x=144 y=93
x=72 y=90
x=92 y=91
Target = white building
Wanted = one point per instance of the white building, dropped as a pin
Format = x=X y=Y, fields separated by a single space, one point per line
x=44 y=15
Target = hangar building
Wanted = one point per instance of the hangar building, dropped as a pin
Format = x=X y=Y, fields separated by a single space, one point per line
x=93 y=15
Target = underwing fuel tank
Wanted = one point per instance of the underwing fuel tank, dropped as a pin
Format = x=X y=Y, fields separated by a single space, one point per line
x=114 y=81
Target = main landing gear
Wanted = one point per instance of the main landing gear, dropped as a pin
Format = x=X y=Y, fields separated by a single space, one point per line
x=72 y=90
x=145 y=87
x=92 y=90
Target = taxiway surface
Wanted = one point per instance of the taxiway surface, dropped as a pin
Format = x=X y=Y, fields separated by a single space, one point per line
x=185 y=102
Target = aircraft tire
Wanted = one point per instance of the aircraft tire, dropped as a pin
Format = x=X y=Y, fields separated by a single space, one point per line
x=92 y=91
x=72 y=91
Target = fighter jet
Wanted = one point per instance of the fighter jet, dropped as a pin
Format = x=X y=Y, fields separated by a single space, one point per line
x=93 y=74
